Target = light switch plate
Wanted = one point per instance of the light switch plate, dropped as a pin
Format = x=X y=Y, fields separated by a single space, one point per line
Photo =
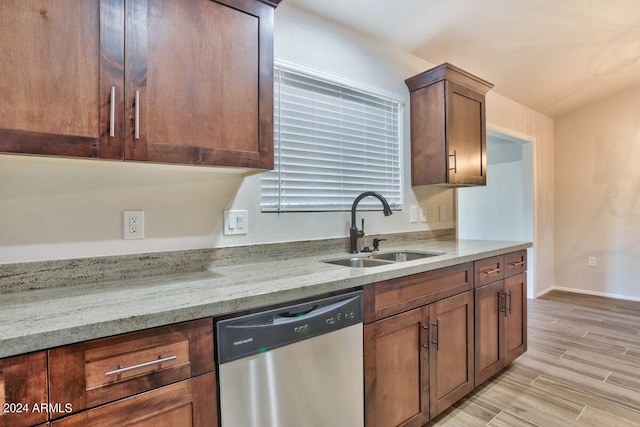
x=443 y=213
x=235 y=222
x=413 y=214
x=423 y=214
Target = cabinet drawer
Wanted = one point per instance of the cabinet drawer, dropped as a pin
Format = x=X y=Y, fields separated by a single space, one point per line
x=488 y=270
x=100 y=371
x=186 y=403
x=23 y=386
x=384 y=299
x=515 y=263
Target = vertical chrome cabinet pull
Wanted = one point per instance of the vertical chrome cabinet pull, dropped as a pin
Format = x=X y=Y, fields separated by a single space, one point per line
x=455 y=161
x=140 y=365
x=502 y=302
x=510 y=301
x=437 y=341
x=137 y=123
x=428 y=336
x=112 y=113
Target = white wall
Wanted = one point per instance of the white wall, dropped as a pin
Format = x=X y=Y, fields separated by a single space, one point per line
x=503 y=209
x=598 y=197
x=67 y=208
x=510 y=118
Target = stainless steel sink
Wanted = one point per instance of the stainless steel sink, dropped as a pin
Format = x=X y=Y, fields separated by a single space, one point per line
x=402 y=256
x=383 y=258
x=360 y=262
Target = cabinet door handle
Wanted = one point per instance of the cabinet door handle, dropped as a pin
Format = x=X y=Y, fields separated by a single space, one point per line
x=517 y=264
x=426 y=327
x=140 y=365
x=494 y=271
x=502 y=302
x=137 y=119
x=112 y=113
x=510 y=301
x=437 y=341
x=455 y=161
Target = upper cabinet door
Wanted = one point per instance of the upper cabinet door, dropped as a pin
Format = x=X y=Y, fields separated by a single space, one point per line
x=466 y=137
x=199 y=82
x=59 y=61
x=448 y=127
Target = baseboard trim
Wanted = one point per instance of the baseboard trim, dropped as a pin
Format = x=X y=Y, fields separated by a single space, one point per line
x=585 y=292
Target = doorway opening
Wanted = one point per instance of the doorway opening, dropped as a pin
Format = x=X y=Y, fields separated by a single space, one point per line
x=503 y=209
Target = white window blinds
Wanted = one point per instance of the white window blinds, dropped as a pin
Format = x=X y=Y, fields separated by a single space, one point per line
x=332 y=142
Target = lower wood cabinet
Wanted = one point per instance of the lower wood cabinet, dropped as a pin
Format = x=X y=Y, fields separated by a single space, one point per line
x=419 y=362
x=515 y=288
x=187 y=403
x=396 y=370
x=500 y=325
x=156 y=377
x=430 y=338
x=451 y=351
x=23 y=390
x=96 y=372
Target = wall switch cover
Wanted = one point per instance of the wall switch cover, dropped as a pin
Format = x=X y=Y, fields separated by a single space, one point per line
x=423 y=214
x=413 y=214
x=235 y=222
x=443 y=213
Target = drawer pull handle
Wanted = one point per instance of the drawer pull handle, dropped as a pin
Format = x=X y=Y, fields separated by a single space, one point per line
x=494 y=271
x=140 y=365
x=517 y=264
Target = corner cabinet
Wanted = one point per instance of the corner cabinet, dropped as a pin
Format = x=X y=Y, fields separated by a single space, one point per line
x=148 y=80
x=448 y=127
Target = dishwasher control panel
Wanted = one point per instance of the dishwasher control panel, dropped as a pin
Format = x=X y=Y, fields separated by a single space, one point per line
x=243 y=336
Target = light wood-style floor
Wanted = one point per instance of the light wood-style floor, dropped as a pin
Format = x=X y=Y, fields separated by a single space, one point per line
x=582 y=368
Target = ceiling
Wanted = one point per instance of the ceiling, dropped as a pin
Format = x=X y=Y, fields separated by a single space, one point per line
x=550 y=55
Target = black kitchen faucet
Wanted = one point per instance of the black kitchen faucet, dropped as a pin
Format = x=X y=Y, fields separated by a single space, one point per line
x=354 y=233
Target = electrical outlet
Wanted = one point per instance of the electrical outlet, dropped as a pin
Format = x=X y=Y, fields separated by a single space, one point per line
x=413 y=214
x=133 y=225
x=235 y=222
x=592 y=261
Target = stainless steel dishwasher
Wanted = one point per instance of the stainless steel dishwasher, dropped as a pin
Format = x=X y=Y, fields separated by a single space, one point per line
x=295 y=366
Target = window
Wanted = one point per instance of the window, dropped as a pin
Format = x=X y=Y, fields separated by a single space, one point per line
x=331 y=142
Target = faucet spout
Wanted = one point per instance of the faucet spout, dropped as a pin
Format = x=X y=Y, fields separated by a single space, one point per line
x=354 y=233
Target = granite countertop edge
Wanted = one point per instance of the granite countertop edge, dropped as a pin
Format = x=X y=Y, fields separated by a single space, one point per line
x=39 y=319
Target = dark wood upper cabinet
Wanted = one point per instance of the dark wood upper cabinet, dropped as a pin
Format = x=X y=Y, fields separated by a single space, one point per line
x=59 y=61
x=149 y=80
x=448 y=127
x=199 y=82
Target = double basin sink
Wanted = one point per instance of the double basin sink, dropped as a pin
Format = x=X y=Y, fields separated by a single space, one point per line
x=386 y=258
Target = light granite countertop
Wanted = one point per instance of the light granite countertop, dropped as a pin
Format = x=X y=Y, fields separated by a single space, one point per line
x=43 y=318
